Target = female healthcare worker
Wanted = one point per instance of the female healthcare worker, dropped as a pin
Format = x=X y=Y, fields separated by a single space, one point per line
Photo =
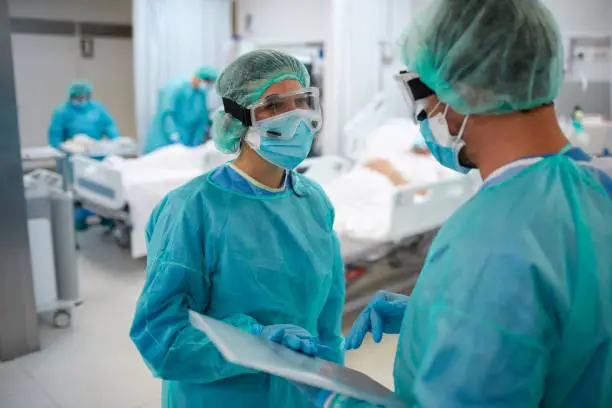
x=513 y=307
x=250 y=243
x=80 y=115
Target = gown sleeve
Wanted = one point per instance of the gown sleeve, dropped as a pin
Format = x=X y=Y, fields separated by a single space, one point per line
x=57 y=129
x=330 y=320
x=177 y=282
x=109 y=126
x=474 y=340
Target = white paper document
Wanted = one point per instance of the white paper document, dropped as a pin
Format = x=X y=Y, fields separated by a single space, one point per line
x=247 y=350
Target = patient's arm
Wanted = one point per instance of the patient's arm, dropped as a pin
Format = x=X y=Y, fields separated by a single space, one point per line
x=385 y=168
x=421 y=151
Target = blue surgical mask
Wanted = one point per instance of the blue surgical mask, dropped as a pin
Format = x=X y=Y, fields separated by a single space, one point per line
x=284 y=140
x=444 y=146
x=419 y=143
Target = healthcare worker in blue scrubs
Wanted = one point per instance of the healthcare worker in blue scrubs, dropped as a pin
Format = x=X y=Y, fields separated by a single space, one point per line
x=513 y=307
x=250 y=243
x=182 y=113
x=81 y=115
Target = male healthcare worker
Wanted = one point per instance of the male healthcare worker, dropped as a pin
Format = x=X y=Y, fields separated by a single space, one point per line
x=513 y=307
x=81 y=115
x=182 y=114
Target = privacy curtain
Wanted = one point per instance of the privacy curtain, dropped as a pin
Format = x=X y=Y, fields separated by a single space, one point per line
x=172 y=38
x=353 y=64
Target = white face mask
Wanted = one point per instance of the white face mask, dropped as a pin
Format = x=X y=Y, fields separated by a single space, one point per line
x=441 y=132
x=443 y=145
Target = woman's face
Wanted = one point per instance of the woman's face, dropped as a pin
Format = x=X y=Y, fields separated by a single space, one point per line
x=275 y=108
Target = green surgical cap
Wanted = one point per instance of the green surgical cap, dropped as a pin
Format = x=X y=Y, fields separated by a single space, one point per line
x=207 y=74
x=486 y=56
x=244 y=81
x=79 y=88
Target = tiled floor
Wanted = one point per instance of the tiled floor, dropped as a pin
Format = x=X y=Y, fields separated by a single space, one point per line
x=94 y=364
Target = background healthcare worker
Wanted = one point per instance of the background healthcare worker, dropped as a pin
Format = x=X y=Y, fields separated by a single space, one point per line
x=514 y=305
x=250 y=243
x=80 y=115
x=182 y=113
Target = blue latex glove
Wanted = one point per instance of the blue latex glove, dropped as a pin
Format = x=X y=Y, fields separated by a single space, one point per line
x=293 y=337
x=383 y=314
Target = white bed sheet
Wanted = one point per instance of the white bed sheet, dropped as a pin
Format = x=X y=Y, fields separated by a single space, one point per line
x=363 y=198
x=147 y=180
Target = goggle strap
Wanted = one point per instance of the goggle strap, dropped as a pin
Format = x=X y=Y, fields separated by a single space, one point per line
x=237 y=111
x=419 y=90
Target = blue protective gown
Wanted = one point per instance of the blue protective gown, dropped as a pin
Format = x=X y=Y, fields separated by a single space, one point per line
x=92 y=119
x=182 y=109
x=514 y=305
x=248 y=258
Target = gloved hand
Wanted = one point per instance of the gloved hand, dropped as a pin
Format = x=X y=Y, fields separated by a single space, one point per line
x=291 y=336
x=383 y=314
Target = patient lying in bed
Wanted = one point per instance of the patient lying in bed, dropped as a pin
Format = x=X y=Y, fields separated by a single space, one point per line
x=363 y=198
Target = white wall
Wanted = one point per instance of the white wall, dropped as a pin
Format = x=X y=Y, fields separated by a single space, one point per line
x=288 y=21
x=316 y=20
x=46 y=64
x=104 y=11
x=584 y=17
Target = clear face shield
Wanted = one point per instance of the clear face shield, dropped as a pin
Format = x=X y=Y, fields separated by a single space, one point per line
x=415 y=93
x=304 y=103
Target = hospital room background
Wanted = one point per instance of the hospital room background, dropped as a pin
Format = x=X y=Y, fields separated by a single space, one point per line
x=64 y=341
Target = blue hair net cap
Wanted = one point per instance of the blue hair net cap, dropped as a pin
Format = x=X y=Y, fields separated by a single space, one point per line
x=244 y=81
x=207 y=74
x=487 y=57
x=80 y=88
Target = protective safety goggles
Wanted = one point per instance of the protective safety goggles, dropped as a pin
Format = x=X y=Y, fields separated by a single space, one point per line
x=415 y=92
x=304 y=99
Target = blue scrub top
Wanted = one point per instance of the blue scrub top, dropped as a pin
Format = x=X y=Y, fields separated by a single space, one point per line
x=228 y=249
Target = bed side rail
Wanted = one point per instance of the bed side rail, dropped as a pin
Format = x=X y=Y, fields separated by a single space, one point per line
x=323 y=169
x=98 y=183
x=418 y=209
x=361 y=126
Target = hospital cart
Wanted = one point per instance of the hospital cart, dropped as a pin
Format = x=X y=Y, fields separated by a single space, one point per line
x=45 y=157
x=52 y=246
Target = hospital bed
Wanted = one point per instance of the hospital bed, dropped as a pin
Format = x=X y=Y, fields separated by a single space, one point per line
x=120 y=191
x=127 y=190
x=413 y=212
x=413 y=209
x=113 y=191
